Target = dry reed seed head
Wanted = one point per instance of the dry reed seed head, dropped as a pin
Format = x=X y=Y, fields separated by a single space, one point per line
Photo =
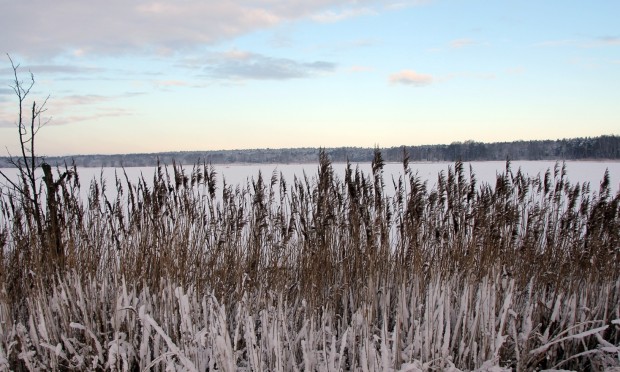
x=335 y=239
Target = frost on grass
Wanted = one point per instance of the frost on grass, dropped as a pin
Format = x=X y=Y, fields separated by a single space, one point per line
x=198 y=333
x=319 y=274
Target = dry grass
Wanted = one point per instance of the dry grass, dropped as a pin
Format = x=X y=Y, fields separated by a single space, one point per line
x=319 y=274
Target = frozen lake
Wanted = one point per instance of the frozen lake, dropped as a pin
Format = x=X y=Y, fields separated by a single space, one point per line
x=485 y=172
x=578 y=171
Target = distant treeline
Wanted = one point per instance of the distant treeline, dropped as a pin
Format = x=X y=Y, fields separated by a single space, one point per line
x=603 y=147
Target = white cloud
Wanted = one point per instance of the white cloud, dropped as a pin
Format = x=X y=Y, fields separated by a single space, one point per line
x=331 y=16
x=242 y=65
x=124 y=25
x=409 y=77
x=40 y=28
x=397 y=5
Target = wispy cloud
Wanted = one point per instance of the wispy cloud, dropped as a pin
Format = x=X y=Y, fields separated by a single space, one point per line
x=6 y=120
x=610 y=40
x=397 y=5
x=242 y=65
x=87 y=99
x=602 y=41
x=72 y=108
x=461 y=43
x=331 y=16
x=5 y=93
x=557 y=43
x=341 y=47
x=98 y=115
x=170 y=83
x=9 y=114
x=409 y=77
x=53 y=69
x=79 y=108
x=515 y=70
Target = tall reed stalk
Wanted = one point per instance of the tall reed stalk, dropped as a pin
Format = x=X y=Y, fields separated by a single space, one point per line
x=316 y=274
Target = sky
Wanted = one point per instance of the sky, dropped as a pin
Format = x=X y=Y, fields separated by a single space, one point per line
x=135 y=76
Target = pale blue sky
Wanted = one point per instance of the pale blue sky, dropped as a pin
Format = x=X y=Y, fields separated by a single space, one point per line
x=147 y=76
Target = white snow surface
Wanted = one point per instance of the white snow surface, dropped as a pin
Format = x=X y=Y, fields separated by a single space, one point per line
x=485 y=172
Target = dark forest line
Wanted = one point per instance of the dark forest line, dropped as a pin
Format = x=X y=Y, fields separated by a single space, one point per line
x=605 y=147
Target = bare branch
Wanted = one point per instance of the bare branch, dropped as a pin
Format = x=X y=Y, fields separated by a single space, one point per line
x=27 y=163
x=7 y=179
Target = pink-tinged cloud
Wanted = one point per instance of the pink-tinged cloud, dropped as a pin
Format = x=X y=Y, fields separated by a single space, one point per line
x=83 y=28
x=170 y=83
x=100 y=114
x=409 y=77
x=69 y=109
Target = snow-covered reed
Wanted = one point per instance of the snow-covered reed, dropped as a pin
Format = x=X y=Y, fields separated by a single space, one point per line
x=322 y=274
x=443 y=325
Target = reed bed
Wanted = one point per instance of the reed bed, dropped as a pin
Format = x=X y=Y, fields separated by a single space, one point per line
x=186 y=272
